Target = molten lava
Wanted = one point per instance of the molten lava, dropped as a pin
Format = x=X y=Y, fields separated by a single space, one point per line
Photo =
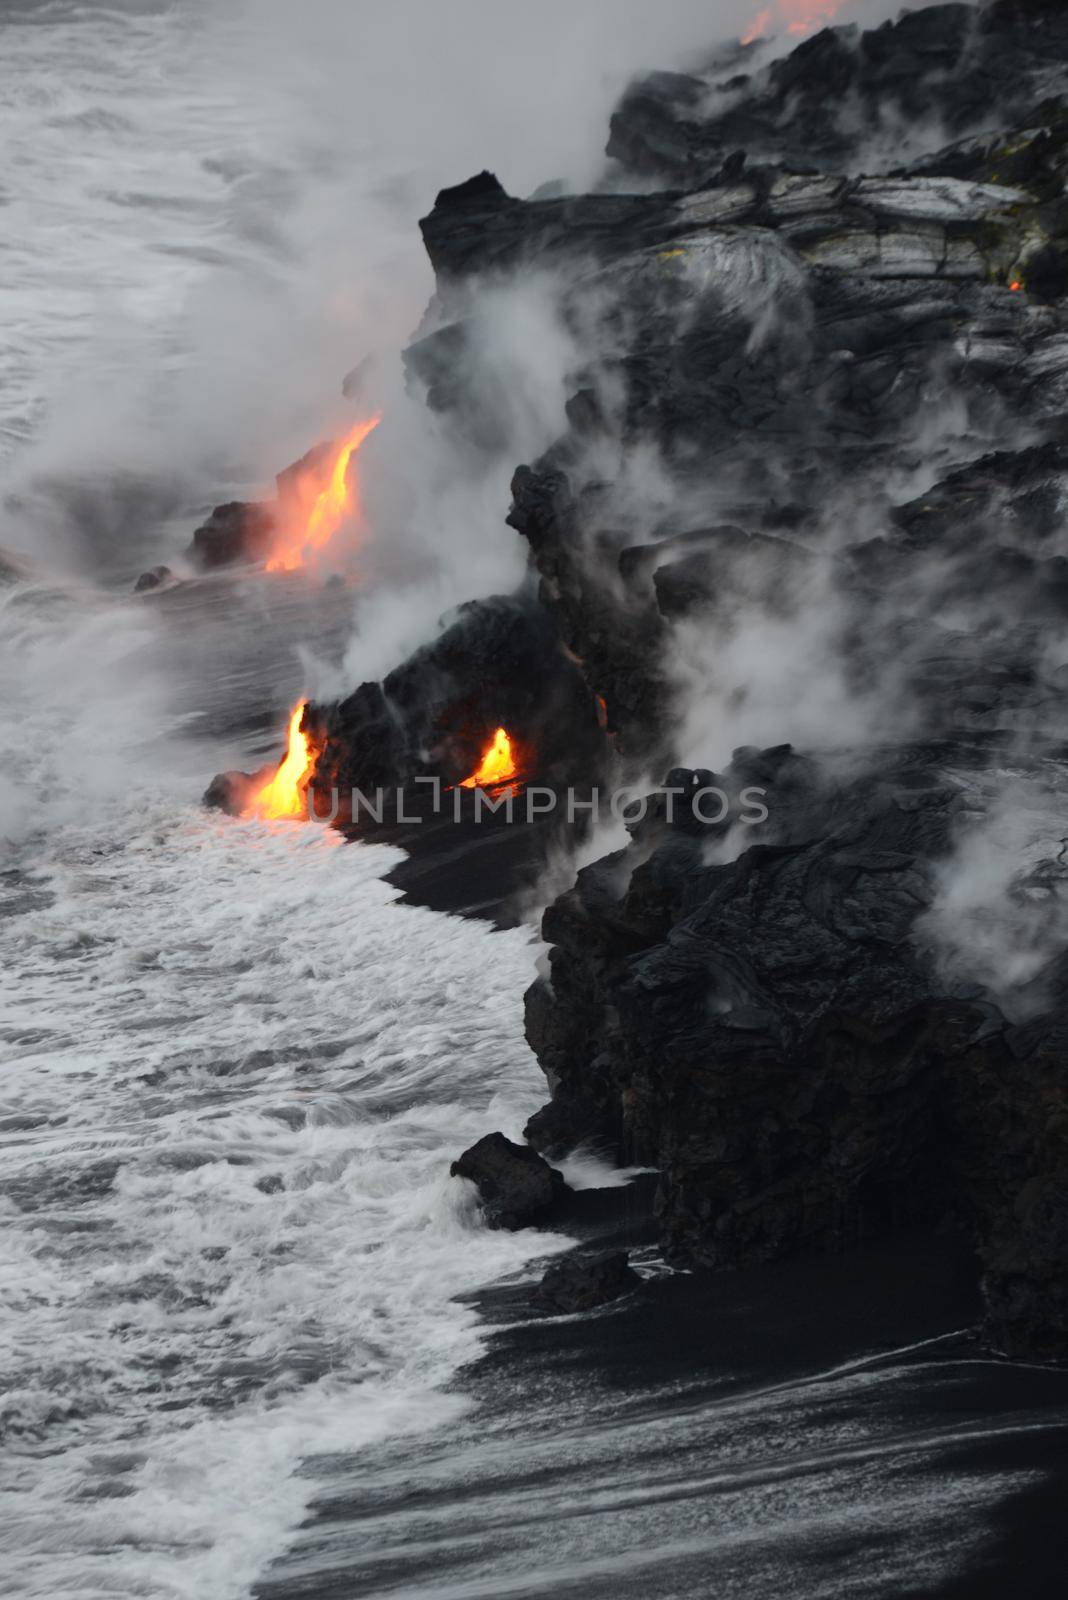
x=321 y=509
x=800 y=17
x=498 y=765
x=284 y=794
x=758 y=27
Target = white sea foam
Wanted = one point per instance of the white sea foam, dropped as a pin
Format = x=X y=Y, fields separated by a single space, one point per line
x=203 y=1010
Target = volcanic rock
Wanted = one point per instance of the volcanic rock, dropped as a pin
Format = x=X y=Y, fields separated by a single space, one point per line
x=781 y=1021
x=231 y=791
x=244 y=531
x=516 y=1186
x=786 y=327
x=240 y=531
x=841 y=86
x=154 y=578
x=577 y=1283
x=846 y=358
x=498 y=663
x=777 y=1035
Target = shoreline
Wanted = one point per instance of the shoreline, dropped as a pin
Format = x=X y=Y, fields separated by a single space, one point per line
x=816 y=1406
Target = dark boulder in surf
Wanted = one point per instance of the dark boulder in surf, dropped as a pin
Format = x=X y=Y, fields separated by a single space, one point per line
x=516 y=1185
x=579 y=1283
x=154 y=578
x=240 y=532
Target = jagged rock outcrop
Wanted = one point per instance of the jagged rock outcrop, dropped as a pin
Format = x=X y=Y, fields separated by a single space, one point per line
x=232 y=791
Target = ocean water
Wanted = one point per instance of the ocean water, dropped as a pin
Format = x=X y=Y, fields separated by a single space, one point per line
x=129 y=177
x=235 y=1277
x=234 y=1076
x=234 y=1072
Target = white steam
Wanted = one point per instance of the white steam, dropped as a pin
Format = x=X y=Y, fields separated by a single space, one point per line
x=238 y=230
x=1001 y=913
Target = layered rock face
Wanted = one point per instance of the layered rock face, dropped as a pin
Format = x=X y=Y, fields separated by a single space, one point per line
x=814 y=487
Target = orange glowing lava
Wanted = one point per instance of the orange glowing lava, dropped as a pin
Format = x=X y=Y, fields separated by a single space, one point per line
x=320 y=510
x=798 y=16
x=498 y=765
x=758 y=27
x=284 y=794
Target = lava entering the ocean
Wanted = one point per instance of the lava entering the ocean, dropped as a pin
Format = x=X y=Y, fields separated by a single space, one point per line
x=498 y=765
x=284 y=795
x=800 y=17
x=320 y=509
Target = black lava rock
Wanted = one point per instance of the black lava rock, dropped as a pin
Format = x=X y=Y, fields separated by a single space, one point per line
x=515 y=1184
x=577 y=1283
x=238 y=532
x=499 y=663
x=231 y=791
x=154 y=578
x=850 y=364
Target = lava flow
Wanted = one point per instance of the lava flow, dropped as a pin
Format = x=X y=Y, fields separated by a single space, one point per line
x=320 y=511
x=498 y=765
x=284 y=794
x=800 y=17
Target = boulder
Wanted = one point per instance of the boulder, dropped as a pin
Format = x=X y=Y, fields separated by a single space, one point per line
x=154 y=578
x=516 y=1185
x=240 y=531
x=581 y=1283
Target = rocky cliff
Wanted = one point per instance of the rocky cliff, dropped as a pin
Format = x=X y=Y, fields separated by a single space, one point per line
x=815 y=482
x=806 y=524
